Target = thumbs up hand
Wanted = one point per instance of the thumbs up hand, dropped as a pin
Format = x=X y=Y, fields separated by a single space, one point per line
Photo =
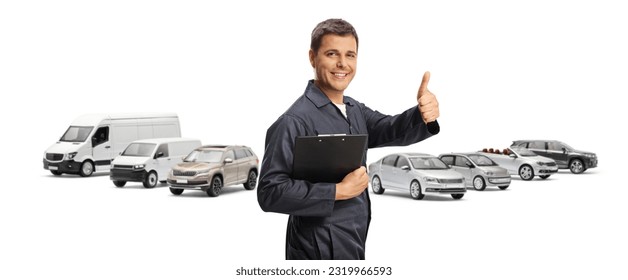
x=428 y=105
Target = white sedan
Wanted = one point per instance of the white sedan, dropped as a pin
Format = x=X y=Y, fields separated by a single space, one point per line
x=523 y=162
x=416 y=173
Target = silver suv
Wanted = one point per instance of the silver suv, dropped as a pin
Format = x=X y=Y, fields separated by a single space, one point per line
x=210 y=168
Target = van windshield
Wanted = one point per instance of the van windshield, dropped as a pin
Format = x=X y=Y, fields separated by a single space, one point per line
x=208 y=156
x=76 y=134
x=139 y=150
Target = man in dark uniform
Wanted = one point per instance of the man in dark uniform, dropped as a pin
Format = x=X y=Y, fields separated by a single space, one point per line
x=330 y=220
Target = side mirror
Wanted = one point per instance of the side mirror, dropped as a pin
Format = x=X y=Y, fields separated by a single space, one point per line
x=94 y=139
x=158 y=155
x=405 y=167
x=512 y=155
x=564 y=150
x=470 y=165
x=228 y=160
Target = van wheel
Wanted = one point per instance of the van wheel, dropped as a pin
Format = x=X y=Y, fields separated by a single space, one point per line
x=251 y=182
x=151 y=180
x=176 y=191
x=119 y=184
x=215 y=187
x=56 y=172
x=87 y=169
x=457 y=195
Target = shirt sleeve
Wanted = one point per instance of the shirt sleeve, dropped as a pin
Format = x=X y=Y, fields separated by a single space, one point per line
x=399 y=130
x=277 y=191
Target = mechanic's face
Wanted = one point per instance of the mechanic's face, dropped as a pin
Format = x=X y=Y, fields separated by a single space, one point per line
x=335 y=63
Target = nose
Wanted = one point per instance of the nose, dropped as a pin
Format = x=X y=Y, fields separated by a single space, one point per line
x=341 y=62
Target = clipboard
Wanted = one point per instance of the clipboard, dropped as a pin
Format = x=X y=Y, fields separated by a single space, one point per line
x=327 y=159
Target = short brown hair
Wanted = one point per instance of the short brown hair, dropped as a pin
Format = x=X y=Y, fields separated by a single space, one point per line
x=331 y=26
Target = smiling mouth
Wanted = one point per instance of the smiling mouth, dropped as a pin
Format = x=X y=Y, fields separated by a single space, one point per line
x=340 y=75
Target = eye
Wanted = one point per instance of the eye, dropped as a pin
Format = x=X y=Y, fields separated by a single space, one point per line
x=331 y=53
x=352 y=55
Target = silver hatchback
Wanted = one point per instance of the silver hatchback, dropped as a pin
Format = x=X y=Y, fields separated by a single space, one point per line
x=478 y=170
x=416 y=173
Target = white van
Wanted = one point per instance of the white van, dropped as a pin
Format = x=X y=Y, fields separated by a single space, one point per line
x=92 y=141
x=150 y=160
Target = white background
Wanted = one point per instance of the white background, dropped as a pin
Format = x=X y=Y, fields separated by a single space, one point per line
x=539 y=69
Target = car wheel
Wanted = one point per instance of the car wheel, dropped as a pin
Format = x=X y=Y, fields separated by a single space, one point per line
x=151 y=180
x=119 y=184
x=415 y=190
x=87 y=168
x=544 y=176
x=576 y=166
x=526 y=172
x=503 y=187
x=457 y=195
x=176 y=191
x=251 y=182
x=215 y=187
x=56 y=172
x=478 y=183
x=376 y=185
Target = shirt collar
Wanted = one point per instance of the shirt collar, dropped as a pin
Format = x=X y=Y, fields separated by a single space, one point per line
x=314 y=94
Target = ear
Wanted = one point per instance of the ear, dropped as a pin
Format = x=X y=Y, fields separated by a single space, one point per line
x=312 y=56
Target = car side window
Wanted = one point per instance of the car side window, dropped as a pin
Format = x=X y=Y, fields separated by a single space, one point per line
x=462 y=162
x=101 y=136
x=390 y=160
x=449 y=160
x=163 y=148
x=229 y=154
x=401 y=162
x=539 y=145
x=240 y=154
x=248 y=153
x=553 y=146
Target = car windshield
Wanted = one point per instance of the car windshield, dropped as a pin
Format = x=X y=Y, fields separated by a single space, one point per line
x=76 y=134
x=209 y=156
x=481 y=160
x=523 y=152
x=139 y=150
x=427 y=163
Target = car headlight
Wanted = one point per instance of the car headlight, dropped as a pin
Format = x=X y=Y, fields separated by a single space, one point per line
x=72 y=155
x=139 y=166
x=488 y=173
x=540 y=163
x=590 y=155
x=203 y=172
x=430 y=180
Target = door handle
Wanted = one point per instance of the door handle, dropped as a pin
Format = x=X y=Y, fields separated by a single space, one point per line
x=107 y=147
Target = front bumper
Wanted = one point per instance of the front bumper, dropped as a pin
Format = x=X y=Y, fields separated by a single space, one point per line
x=128 y=175
x=188 y=184
x=446 y=188
x=498 y=181
x=545 y=170
x=64 y=166
x=590 y=163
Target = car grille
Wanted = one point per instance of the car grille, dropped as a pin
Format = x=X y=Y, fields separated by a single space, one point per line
x=183 y=173
x=450 y=181
x=55 y=157
x=120 y=166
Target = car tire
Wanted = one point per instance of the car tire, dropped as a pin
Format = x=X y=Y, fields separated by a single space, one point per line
x=415 y=190
x=151 y=180
x=526 y=172
x=251 y=180
x=215 y=187
x=544 y=176
x=576 y=166
x=119 y=184
x=503 y=187
x=478 y=183
x=176 y=191
x=56 y=172
x=376 y=185
x=87 y=169
x=457 y=195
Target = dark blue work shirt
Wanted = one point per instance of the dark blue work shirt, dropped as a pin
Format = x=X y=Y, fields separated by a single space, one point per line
x=320 y=227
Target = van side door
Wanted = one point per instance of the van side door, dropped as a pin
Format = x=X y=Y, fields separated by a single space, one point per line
x=101 y=149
